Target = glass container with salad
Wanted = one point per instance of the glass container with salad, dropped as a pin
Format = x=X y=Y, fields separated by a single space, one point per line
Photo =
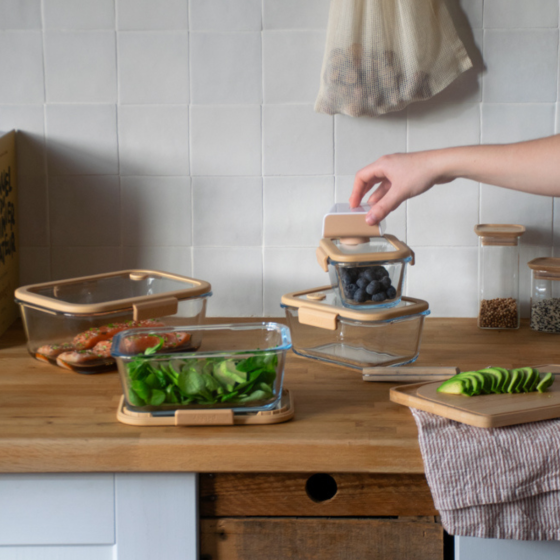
x=237 y=366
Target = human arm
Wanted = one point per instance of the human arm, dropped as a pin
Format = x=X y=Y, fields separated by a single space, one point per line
x=532 y=167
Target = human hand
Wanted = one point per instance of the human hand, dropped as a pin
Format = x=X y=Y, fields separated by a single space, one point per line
x=400 y=176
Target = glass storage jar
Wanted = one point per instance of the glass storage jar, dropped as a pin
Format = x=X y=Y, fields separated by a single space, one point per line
x=236 y=366
x=325 y=330
x=545 y=294
x=366 y=267
x=498 y=275
x=71 y=323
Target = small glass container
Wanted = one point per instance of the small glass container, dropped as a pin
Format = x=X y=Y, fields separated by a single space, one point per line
x=498 y=275
x=545 y=294
x=323 y=329
x=240 y=367
x=70 y=323
x=366 y=267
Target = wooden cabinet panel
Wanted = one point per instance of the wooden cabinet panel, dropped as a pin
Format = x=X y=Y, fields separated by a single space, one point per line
x=368 y=495
x=320 y=539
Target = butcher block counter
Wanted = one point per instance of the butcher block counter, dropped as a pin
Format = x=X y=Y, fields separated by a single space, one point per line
x=344 y=476
x=57 y=421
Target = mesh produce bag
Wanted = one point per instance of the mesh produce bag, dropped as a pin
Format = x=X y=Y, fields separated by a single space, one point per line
x=382 y=55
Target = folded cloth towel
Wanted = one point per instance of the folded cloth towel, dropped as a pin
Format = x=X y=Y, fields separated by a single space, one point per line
x=501 y=483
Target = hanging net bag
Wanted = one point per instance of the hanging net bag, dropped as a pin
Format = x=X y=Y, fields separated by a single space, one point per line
x=382 y=55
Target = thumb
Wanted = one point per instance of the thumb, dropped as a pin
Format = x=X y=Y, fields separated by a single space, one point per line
x=383 y=208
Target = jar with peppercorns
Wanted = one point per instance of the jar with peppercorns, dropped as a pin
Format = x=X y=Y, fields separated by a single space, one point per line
x=498 y=275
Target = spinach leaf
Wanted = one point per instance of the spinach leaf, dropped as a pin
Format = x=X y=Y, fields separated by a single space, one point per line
x=154 y=349
x=157 y=397
x=141 y=389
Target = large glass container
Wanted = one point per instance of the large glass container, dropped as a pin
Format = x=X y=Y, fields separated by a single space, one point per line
x=545 y=294
x=71 y=323
x=240 y=367
x=498 y=275
x=324 y=329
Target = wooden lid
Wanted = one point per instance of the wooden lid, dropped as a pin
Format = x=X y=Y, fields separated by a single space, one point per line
x=375 y=249
x=545 y=264
x=102 y=293
x=331 y=305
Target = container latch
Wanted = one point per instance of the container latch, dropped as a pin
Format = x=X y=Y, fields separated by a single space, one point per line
x=156 y=308
x=217 y=417
x=318 y=318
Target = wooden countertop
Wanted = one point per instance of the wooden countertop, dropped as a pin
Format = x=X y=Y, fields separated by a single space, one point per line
x=57 y=421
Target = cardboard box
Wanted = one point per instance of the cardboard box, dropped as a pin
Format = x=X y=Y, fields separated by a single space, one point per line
x=9 y=249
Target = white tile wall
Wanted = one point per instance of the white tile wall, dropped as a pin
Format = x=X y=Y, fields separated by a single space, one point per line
x=79 y=14
x=20 y=14
x=180 y=134
x=226 y=68
x=67 y=54
x=153 y=67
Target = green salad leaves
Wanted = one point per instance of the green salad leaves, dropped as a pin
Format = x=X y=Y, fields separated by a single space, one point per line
x=204 y=381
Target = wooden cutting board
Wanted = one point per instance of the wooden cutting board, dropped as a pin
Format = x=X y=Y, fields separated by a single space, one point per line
x=482 y=411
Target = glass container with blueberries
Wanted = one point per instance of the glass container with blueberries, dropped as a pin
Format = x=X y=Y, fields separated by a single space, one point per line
x=366 y=267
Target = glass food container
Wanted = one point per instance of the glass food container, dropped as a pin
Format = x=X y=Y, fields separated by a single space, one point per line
x=71 y=323
x=324 y=329
x=498 y=275
x=240 y=367
x=545 y=294
x=366 y=268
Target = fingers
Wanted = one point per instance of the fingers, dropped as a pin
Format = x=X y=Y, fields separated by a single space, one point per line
x=364 y=180
x=379 y=193
x=385 y=206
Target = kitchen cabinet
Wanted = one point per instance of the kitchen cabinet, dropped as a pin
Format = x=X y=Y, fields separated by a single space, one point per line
x=109 y=516
x=60 y=443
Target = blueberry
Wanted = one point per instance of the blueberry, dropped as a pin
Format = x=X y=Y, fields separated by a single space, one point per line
x=391 y=292
x=349 y=290
x=360 y=296
x=354 y=273
x=345 y=276
x=380 y=296
x=362 y=283
x=381 y=272
x=370 y=274
x=373 y=287
x=385 y=282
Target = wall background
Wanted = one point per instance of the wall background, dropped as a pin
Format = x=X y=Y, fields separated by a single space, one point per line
x=180 y=134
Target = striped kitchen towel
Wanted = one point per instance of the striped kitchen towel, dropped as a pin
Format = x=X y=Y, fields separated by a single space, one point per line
x=501 y=483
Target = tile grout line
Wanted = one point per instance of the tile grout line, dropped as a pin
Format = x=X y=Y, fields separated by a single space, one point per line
x=189 y=132
x=45 y=143
x=262 y=166
x=117 y=111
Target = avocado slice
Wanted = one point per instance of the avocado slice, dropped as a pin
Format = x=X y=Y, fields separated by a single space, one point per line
x=497 y=378
x=536 y=380
x=481 y=383
x=530 y=375
x=514 y=381
x=518 y=386
x=454 y=386
x=505 y=380
x=472 y=385
x=545 y=383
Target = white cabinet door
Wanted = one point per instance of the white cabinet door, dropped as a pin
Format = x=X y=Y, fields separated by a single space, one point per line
x=470 y=548
x=98 y=516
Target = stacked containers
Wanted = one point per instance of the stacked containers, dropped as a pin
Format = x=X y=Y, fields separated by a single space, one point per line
x=498 y=275
x=362 y=319
x=545 y=294
x=70 y=323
